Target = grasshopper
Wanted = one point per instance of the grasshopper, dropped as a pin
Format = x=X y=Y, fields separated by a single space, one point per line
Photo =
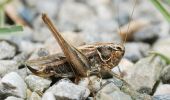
x=92 y=59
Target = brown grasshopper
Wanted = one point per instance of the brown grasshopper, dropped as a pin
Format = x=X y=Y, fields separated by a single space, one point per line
x=98 y=58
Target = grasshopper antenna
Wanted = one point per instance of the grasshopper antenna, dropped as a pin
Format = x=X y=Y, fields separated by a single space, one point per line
x=134 y=5
x=128 y=27
x=119 y=29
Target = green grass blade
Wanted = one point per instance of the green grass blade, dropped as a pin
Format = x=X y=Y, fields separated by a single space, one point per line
x=167 y=60
x=164 y=12
x=11 y=29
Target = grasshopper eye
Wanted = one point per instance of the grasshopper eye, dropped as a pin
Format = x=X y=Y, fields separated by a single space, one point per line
x=104 y=52
x=119 y=48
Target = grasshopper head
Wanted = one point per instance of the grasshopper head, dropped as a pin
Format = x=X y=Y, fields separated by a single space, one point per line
x=111 y=55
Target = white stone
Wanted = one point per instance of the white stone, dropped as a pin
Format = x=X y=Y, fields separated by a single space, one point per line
x=12 y=83
x=7 y=66
x=48 y=96
x=13 y=98
x=36 y=83
x=35 y=96
x=66 y=89
x=6 y=50
x=163 y=89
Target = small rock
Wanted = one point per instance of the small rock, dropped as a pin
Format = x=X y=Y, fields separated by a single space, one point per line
x=94 y=84
x=92 y=37
x=13 y=98
x=73 y=13
x=48 y=96
x=42 y=31
x=164 y=29
x=161 y=97
x=98 y=26
x=119 y=83
x=43 y=52
x=123 y=18
x=90 y=98
x=7 y=66
x=163 y=89
x=52 y=46
x=126 y=88
x=97 y=83
x=162 y=46
x=73 y=38
x=12 y=85
x=102 y=8
x=23 y=72
x=147 y=34
x=48 y=7
x=135 y=51
x=29 y=47
x=37 y=84
x=145 y=74
x=7 y=50
x=27 y=14
x=109 y=88
x=20 y=58
x=29 y=92
x=165 y=75
x=35 y=96
x=67 y=90
x=125 y=67
x=111 y=92
x=117 y=95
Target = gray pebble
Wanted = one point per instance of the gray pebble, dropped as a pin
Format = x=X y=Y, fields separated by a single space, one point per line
x=73 y=13
x=23 y=72
x=48 y=96
x=145 y=74
x=162 y=89
x=48 y=7
x=136 y=50
x=64 y=89
x=148 y=34
x=35 y=96
x=110 y=92
x=162 y=46
x=161 y=97
x=12 y=85
x=7 y=50
x=13 y=98
x=43 y=52
x=28 y=46
x=165 y=75
x=93 y=83
x=37 y=84
x=7 y=66
x=20 y=58
x=125 y=66
x=116 y=81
